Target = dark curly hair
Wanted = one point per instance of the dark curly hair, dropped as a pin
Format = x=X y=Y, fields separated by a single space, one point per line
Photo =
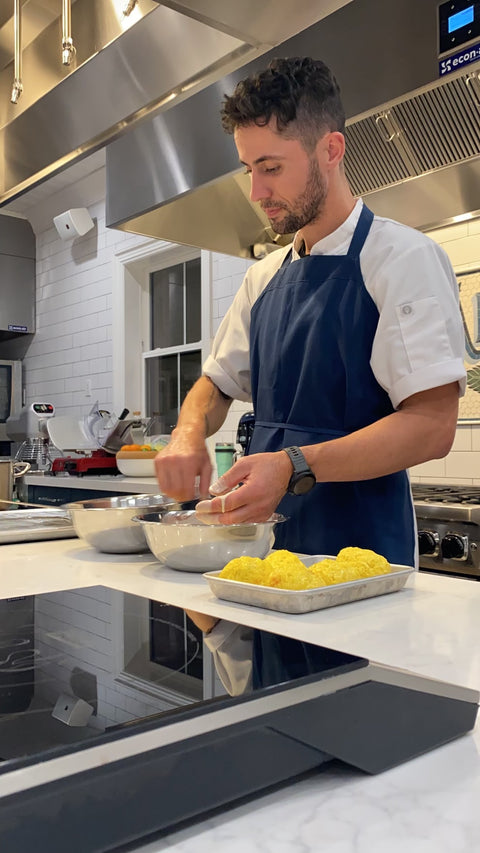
x=299 y=92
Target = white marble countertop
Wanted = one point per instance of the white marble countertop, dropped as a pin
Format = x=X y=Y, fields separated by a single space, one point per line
x=428 y=805
x=432 y=627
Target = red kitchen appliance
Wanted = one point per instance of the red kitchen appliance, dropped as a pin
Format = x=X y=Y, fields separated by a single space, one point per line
x=98 y=462
x=91 y=441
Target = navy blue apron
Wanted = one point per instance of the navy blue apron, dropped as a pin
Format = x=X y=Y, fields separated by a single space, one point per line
x=311 y=338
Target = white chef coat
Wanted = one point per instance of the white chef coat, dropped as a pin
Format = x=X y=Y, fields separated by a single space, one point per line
x=419 y=342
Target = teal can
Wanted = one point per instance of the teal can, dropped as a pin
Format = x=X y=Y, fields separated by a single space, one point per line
x=224 y=456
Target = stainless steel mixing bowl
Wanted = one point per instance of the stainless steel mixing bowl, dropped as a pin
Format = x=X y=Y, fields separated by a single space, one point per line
x=181 y=540
x=106 y=523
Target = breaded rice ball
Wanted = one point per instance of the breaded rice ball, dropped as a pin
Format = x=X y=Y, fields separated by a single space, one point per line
x=292 y=577
x=245 y=569
x=283 y=559
x=370 y=562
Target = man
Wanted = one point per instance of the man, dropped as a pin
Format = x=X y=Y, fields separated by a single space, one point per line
x=349 y=343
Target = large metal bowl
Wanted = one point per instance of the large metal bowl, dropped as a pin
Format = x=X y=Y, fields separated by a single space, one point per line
x=106 y=523
x=181 y=540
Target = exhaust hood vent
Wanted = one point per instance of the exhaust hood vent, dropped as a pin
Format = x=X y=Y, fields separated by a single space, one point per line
x=429 y=131
x=412 y=137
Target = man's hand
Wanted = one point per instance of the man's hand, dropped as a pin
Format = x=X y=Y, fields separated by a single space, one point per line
x=264 y=479
x=183 y=467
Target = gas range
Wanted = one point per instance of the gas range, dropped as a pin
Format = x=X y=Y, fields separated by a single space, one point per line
x=448 y=521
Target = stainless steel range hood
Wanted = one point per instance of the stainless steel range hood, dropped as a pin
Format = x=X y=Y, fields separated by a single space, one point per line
x=413 y=139
x=124 y=69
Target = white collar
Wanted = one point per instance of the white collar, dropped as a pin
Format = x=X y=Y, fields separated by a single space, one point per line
x=337 y=242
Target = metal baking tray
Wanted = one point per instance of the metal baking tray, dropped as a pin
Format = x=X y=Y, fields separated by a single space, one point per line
x=306 y=600
x=31 y=525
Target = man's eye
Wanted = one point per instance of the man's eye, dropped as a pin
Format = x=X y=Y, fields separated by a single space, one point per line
x=270 y=170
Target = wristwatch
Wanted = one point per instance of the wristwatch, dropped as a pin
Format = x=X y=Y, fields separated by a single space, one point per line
x=303 y=478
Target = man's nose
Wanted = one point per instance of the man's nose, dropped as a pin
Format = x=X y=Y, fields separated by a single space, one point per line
x=258 y=188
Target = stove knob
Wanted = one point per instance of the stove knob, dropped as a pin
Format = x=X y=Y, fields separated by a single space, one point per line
x=455 y=547
x=428 y=542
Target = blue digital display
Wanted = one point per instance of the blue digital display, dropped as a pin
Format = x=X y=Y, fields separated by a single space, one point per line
x=461 y=19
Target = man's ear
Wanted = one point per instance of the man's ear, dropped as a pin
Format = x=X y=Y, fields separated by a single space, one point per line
x=330 y=149
x=336 y=148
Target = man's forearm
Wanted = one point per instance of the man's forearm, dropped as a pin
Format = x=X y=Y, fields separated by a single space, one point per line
x=423 y=429
x=204 y=408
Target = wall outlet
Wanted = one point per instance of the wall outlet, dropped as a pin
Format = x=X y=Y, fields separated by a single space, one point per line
x=88 y=388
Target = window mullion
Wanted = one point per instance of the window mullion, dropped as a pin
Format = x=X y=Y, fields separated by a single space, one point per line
x=184 y=290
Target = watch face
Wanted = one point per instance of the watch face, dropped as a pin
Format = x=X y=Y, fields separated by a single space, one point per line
x=303 y=485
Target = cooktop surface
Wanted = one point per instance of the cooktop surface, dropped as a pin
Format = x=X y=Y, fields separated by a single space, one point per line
x=76 y=664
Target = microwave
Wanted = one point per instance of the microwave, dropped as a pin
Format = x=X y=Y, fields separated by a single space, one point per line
x=10 y=393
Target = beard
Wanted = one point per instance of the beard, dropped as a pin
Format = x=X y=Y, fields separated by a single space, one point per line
x=306 y=208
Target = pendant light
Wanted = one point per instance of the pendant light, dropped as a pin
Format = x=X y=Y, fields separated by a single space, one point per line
x=68 y=49
x=17 y=87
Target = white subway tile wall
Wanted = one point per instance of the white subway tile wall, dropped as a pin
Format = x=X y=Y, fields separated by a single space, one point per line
x=462 y=465
x=69 y=362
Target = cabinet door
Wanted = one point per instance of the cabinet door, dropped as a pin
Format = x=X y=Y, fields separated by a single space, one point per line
x=57 y=495
x=17 y=292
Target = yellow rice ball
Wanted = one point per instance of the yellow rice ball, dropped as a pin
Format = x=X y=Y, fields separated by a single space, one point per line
x=245 y=569
x=370 y=562
x=291 y=577
x=283 y=559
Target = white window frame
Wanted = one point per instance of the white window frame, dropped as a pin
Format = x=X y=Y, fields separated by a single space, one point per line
x=130 y=332
x=131 y=314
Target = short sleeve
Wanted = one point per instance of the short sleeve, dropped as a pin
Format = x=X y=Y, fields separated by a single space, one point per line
x=228 y=365
x=419 y=343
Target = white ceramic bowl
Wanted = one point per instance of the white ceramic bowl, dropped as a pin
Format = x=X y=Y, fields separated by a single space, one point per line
x=180 y=540
x=106 y=523
x=137 y=466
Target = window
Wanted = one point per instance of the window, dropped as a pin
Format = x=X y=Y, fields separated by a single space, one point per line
x=161 y=326
x=174 y=362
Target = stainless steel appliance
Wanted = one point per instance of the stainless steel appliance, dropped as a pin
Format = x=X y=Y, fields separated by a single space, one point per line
x=10 y=394
x=448 y=519
x=412 y=113
x=29 y=426
x=9 y=471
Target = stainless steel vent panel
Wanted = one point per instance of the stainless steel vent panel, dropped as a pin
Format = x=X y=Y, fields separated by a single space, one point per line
x=428 y=131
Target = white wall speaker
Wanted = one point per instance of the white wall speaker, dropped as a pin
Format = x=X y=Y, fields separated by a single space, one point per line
x=73 y=223
x=72 y=710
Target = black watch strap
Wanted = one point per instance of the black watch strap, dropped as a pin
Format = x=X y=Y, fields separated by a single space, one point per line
x=303 y=478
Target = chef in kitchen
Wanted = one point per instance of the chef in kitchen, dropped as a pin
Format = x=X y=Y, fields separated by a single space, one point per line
x=349 y=342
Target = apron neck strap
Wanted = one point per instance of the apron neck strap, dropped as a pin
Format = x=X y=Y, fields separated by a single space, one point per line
x=361 y=232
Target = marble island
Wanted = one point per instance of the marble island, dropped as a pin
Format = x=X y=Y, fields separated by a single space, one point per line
x=430 y=628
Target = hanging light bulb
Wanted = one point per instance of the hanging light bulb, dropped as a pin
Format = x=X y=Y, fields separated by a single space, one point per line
x=68 y=49
x=17 y=87
x=129 y=7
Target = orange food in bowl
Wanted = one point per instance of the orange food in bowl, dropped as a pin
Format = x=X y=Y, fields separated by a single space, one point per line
x=136 y=454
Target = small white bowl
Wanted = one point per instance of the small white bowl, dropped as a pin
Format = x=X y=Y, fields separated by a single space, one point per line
x=136 y=463
x=136 y=467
